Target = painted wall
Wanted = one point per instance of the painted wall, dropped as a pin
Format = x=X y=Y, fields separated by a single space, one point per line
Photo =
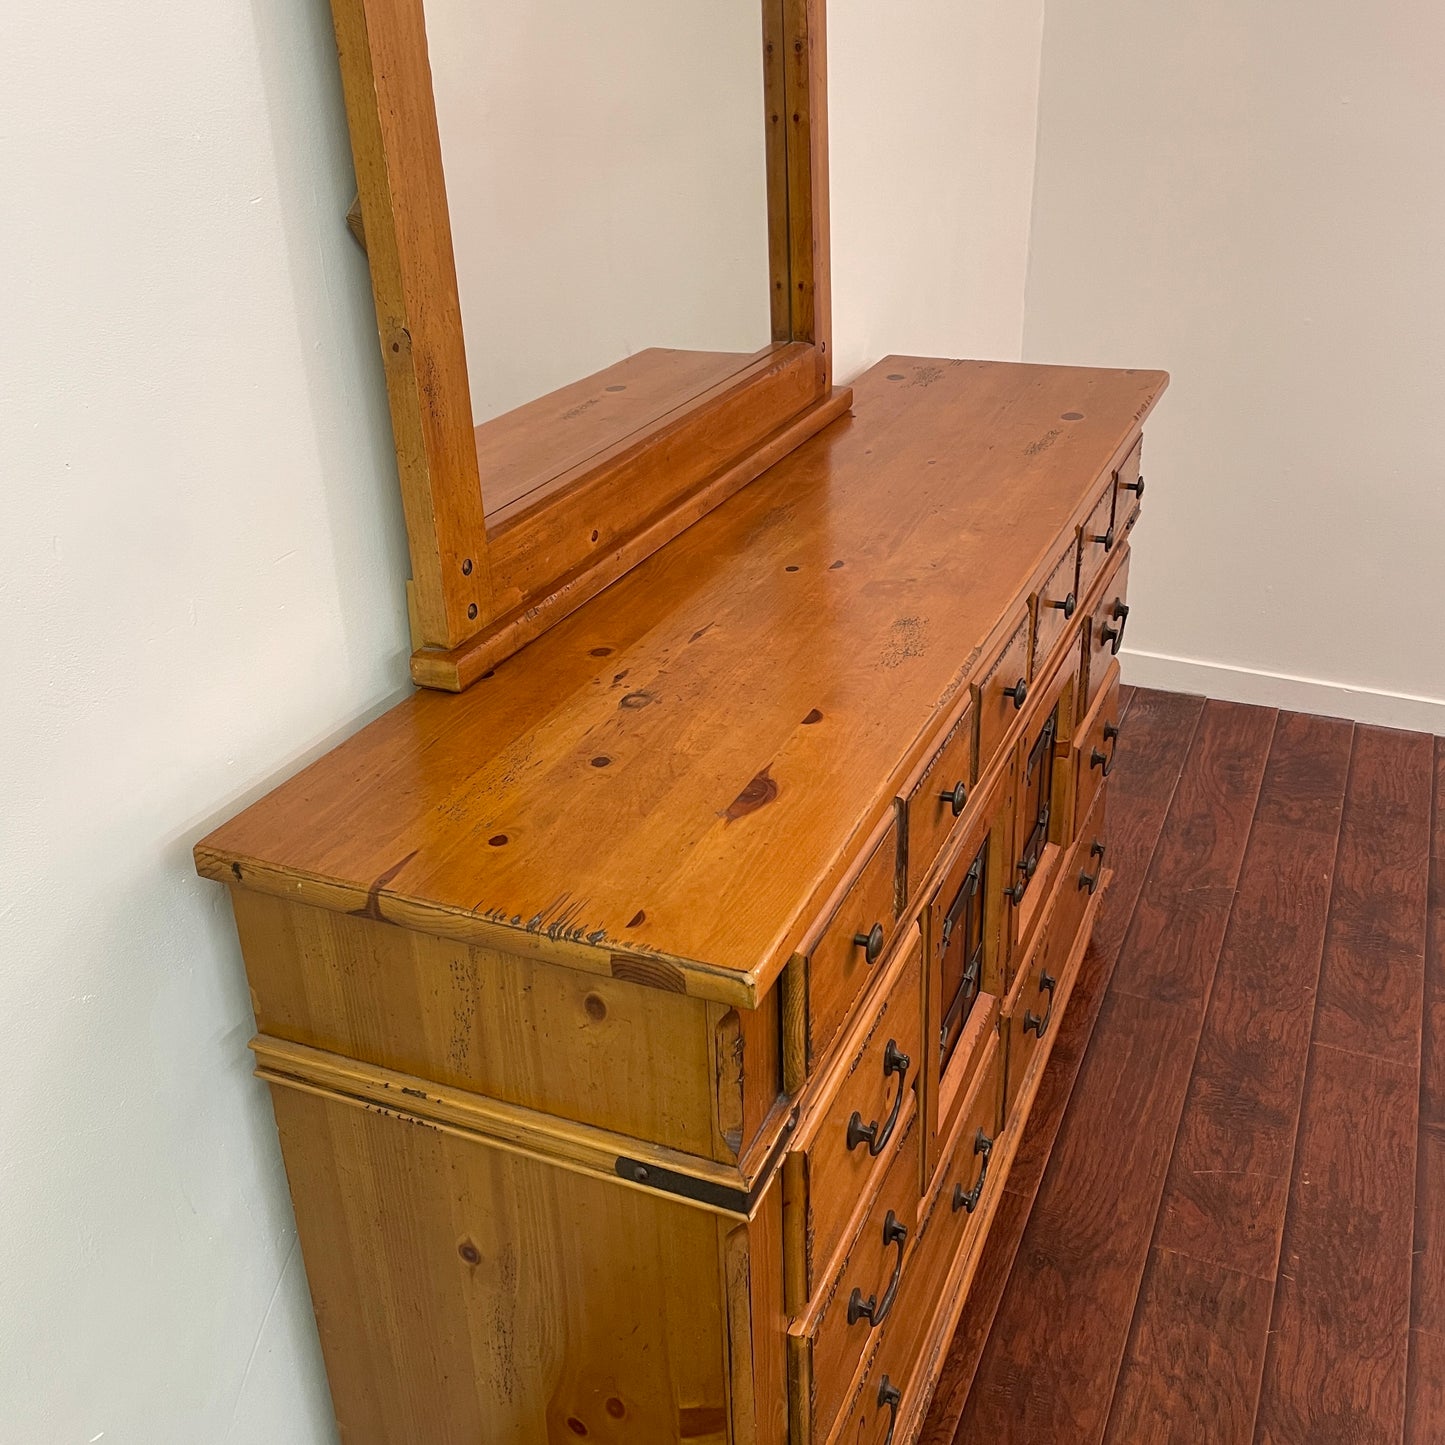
x=1250 y=196
x=201 y=567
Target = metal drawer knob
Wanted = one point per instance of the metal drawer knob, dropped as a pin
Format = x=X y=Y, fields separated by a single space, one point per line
x=967 y=1199
x=1107 y=540
x=1091 y=880
x=871 y=943
x=1019 y=692
x=1137 y=487
x=956 y=798
x=1015 y=895
x=1067 y=606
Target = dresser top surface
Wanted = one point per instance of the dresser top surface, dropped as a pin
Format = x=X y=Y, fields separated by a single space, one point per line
x=676 y=777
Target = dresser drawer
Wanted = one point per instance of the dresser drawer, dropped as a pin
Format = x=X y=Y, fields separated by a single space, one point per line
x=999 y=695
x=839 y=956
x=1054 y=605
x=935 y=797
x=1097 y=740
x=1096 y=541
x=838 y=1147
x=1104 y=631
x=860 y=1299
x=1128 y=489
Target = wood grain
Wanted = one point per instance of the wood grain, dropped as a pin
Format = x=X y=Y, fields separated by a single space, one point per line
x=1432 y=1062
x=609 y=753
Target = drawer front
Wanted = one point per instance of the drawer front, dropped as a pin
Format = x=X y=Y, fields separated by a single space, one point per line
x=1096 y=541
x=859 y=1123
x=848 y=946
x=963 y=1178
x=1053 y=606
x=935 y=798
x=1128 y=489
x=1105 y=630
x=999 y=695
x=1098 y=738
x=863 y=1294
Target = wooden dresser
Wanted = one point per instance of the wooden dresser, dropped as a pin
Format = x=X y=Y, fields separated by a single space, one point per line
x=651 y=1027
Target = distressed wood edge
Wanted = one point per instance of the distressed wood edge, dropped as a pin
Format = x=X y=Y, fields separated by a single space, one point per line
x=581 y=1148
x=456 y=669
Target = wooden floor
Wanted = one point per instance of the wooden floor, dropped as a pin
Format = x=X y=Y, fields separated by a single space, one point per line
x=1239 y=1234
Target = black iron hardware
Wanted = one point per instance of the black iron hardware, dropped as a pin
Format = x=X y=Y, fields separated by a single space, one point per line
x=1015 y=895
x=1137 y=487
x=1019 y=692
x=956 y=798
x=966 y=891
x=889 y=1398
x=1091 y=880
x=871 y=943
x=872 y=1309
x=1114 y=636
x=1029 y=866
x=1102 y=760
x=1107 y=540
x=967 y=1199
x=1067 y=606
x=895 y=1061
x=1032 y=1022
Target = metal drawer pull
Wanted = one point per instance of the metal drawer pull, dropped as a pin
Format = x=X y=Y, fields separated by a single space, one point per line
x=895 y=1061
x=1137 y=487
x=1015 y=895
x=1019 y=692
x=1107 y=540
x=1032 y=1022
x=1102 y=760
x=968 y=1199
x=1067 y=606
x=871 y=1309
x=1114 y=636
x=889 y=1398
x=956 y=798
x=871 y=943
x=1091 y=880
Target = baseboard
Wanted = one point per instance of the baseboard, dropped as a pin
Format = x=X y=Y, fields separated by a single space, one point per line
x=1276 y=689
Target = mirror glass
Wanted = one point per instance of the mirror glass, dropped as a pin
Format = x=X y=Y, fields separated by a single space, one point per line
x=606 y=176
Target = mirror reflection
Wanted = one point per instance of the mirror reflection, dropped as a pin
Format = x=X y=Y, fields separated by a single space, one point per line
x=606 y=175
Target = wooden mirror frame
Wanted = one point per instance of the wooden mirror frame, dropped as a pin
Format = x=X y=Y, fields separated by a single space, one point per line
x=477 y=595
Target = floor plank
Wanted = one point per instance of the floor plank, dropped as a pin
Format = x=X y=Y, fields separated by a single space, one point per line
x=1425 y=1401
x=1432 y=1063
x=1334 y=1373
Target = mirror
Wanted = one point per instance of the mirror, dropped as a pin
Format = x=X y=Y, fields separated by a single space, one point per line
x=606 y=173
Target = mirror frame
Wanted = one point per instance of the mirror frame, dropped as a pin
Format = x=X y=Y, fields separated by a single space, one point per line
x=476 y=594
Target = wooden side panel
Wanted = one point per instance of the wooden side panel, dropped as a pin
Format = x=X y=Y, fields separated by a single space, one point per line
x=603 y=1051
x=806 y=109
x=466 y=1294
x=757 y=1323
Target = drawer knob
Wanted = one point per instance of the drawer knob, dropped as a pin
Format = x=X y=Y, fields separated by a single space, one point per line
x=1030 y=865
x=1105 y=761
x=895 y=1061
x=1089 y=880
x=1067 y=606
x=872 y=1309
x=1106 y=541
x=967 y=1199
x=1015 y=895
x=871 y=943
x=1136 y=486
x=956 y=798
x=1114 y=636
x=889 y=1398
x=1032 y=1022
x=1019 y=692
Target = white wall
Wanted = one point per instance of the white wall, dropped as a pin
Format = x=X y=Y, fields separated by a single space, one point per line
x=201 y=566
x=1250 y=195
x=933 y=109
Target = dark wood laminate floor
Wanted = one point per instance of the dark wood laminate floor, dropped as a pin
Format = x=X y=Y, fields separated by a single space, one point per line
x=1227 y=1221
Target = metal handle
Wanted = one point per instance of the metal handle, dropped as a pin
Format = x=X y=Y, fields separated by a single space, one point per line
x=956 y=798
x=871 y=943
x=872 y=1309
x=1114 y=636
x=1091 y=880
x=1029 y=866
x=1102 y=760
x=889 y=1398
x=968 y=1199
x=966 y=890
x=1032 y=1022
x=1107 y=540
x=1015 y=895
x=1019 y=692
x=895 y=1061
x=1136 y=486
x=1067 y=606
